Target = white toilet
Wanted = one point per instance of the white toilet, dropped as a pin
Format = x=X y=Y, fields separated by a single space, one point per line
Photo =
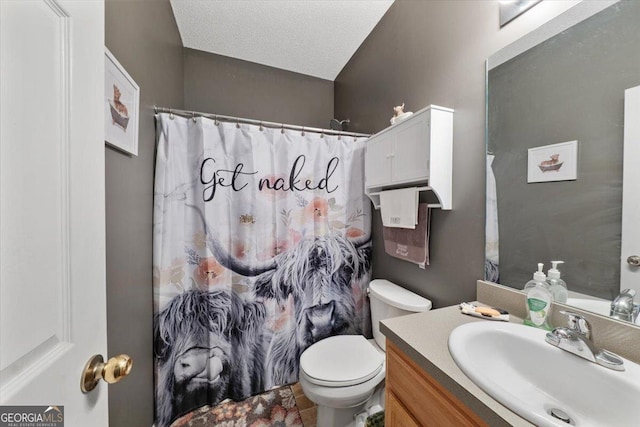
x=341 y=373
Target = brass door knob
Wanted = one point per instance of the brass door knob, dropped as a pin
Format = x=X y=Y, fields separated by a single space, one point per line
x=113 y=371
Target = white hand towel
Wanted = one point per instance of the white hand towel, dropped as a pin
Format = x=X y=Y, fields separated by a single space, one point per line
x=399 y=208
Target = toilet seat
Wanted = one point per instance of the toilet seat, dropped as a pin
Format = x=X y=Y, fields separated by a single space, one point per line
x=341 y=361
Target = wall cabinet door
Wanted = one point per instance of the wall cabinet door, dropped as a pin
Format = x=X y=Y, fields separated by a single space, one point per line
x=410 y=154
x=378 y=160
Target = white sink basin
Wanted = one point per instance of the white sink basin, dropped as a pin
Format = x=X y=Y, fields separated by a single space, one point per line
x=514 y=365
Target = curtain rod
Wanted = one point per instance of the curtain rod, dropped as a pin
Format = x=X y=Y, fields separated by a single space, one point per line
x=194 y=114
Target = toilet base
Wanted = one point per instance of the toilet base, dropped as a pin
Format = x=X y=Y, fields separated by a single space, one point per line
x=345 y=417
x=338 y=417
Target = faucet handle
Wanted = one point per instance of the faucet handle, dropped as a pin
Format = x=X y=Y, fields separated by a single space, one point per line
x=577 y=323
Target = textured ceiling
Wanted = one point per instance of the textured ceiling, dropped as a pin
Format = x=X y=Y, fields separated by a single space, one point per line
x=314 y=37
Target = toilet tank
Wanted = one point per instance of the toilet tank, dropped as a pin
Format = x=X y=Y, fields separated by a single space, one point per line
x=389 y=300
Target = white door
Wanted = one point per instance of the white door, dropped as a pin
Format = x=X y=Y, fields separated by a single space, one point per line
x=629 y=273
x=52 y=253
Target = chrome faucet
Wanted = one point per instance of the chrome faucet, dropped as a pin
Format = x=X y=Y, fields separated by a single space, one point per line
x=576 y=339
x=623 y=307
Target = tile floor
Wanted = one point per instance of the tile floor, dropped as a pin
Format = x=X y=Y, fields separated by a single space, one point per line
x=308 y=409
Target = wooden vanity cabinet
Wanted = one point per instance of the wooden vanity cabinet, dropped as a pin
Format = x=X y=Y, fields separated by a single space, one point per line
x=414 y=398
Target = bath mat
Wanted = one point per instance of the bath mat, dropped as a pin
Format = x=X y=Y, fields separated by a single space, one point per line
x=273 y=408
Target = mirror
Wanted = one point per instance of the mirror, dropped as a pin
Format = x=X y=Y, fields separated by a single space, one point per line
x=570 y=87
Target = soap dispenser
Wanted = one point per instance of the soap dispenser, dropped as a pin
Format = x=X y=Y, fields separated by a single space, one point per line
x=539 y=300
x=557 y=286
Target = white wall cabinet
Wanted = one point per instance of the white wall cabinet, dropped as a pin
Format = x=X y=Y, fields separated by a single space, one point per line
x=415 y=152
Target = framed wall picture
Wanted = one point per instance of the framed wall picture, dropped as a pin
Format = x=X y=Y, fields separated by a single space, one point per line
x=555 y=162
x=122 y=106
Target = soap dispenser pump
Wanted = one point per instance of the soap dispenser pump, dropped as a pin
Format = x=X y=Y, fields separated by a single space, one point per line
x=539 y=300
x=538 y=277
x=557 y=286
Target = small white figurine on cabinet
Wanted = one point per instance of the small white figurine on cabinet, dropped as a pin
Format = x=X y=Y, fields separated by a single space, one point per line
x=399 y=114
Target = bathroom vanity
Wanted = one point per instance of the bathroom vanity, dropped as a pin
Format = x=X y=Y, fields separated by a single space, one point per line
x=415 y=398
x=424 y=384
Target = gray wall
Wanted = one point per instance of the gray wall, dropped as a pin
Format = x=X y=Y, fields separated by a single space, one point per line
x=569 y=88
x=143 y=36
x=433 y=52
x=223 y=85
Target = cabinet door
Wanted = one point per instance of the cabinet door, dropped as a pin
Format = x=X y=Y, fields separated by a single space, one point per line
x=424 y=398
x=378 y=160
x=411 y=150
x=396 y=415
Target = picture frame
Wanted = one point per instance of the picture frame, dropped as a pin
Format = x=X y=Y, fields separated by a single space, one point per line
x=122 y=106
x=555 y=162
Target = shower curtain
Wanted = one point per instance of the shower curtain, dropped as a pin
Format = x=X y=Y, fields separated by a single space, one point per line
x=492 y=235
x=261 y=248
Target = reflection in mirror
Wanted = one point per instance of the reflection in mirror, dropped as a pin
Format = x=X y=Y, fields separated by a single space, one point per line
x=510 y=10
x=570 y=87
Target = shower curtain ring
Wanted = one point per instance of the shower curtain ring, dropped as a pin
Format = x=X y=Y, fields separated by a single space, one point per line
x=322 y=134
x=193 y=117
x=261 y=128
x=282 y=128
x=302 y=131
x=339 y=137
x=215 y=120
x=237 y=123
x=170 y=113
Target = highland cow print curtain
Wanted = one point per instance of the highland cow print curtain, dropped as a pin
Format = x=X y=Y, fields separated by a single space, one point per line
x=261 y=248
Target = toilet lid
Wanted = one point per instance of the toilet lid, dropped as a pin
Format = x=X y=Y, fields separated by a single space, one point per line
x=340 y=361
x=398 y=297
